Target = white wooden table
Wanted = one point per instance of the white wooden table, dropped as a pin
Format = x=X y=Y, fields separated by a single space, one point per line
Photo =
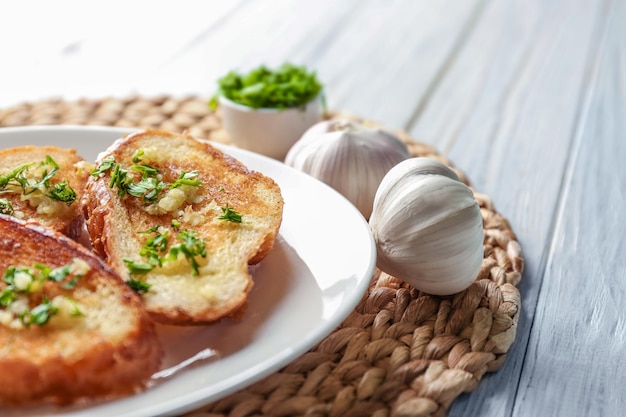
x=527 y=97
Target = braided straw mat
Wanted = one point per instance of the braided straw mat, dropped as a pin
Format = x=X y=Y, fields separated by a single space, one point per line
x=400 y=352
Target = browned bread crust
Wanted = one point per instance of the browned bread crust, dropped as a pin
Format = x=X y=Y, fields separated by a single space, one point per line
x=109 y=351
x=65 y=219
x=221 y=288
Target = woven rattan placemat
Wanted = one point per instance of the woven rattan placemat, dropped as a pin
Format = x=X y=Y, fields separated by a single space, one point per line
x=400 y=352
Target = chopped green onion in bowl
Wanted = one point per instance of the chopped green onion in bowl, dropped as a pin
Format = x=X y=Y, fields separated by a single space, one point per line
x=287 y=86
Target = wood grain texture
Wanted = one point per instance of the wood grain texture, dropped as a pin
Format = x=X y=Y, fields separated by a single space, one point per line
x=507 y=113
x=575 y=361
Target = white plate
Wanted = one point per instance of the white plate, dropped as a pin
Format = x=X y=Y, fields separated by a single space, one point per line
x=312 y=279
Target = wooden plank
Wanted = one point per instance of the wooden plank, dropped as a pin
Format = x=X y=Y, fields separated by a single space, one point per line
x=506 y=113
x=382 y=63
x=576 y=356
x=376 y=58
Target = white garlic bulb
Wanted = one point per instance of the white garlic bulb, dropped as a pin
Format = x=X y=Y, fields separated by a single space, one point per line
x=348 y=156
x=427 y=227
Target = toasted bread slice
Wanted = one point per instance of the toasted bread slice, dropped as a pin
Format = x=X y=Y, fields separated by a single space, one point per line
x=76 y=333
x=121 y=225
x=49 y=202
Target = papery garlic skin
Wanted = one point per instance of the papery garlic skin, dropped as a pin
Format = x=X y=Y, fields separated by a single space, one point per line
x=427 y=227
x=350 y=157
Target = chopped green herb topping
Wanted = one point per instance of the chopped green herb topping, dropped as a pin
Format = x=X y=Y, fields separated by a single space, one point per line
x=155 y=251
x=190 y=246
x=153 y=229
x=58 y=274
x=154 y=246
x=149 y=187
x=230 y=215
x=284 y=87
x=71 y=284
x=62 y=192
x=187 y=178
x=105 y=165
x=7 y=296
x=18 y=178
x=6 y=207
x=145 y=170
x=76 y=312
x=137 y=268
x=139 y=286
x=39 y=314
x=137 y=156
x=14 y=175
x=21 y=281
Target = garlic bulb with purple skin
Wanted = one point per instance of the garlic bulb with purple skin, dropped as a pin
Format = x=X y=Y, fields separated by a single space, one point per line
x=427 y=227
x=350 y=157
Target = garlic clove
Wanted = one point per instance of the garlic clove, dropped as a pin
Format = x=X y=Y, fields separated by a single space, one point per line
x=349 y=157
x=427 y=227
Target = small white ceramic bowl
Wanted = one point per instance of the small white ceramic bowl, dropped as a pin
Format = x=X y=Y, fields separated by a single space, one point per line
x=269 y=132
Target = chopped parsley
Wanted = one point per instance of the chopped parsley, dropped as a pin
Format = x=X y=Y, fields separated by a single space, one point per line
x=6 y=207
x=14 y=175
x=284 y=87
x=154 y=246
x=21 y=281
x=76 y=312
x=230 y=215
x=119 y=179
x=71 y=284
x=19 y=178
x=137 y=156
x=187 y=178
x=37 y=273
x=146 y=171
x=139 y=286
x=138 y=268
x=39 y=314
x=62 y=192
x=57 y=274
x=190 y=246
x=155 y=251
x=105 y=165
x=7 y=296
x=149 y=187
